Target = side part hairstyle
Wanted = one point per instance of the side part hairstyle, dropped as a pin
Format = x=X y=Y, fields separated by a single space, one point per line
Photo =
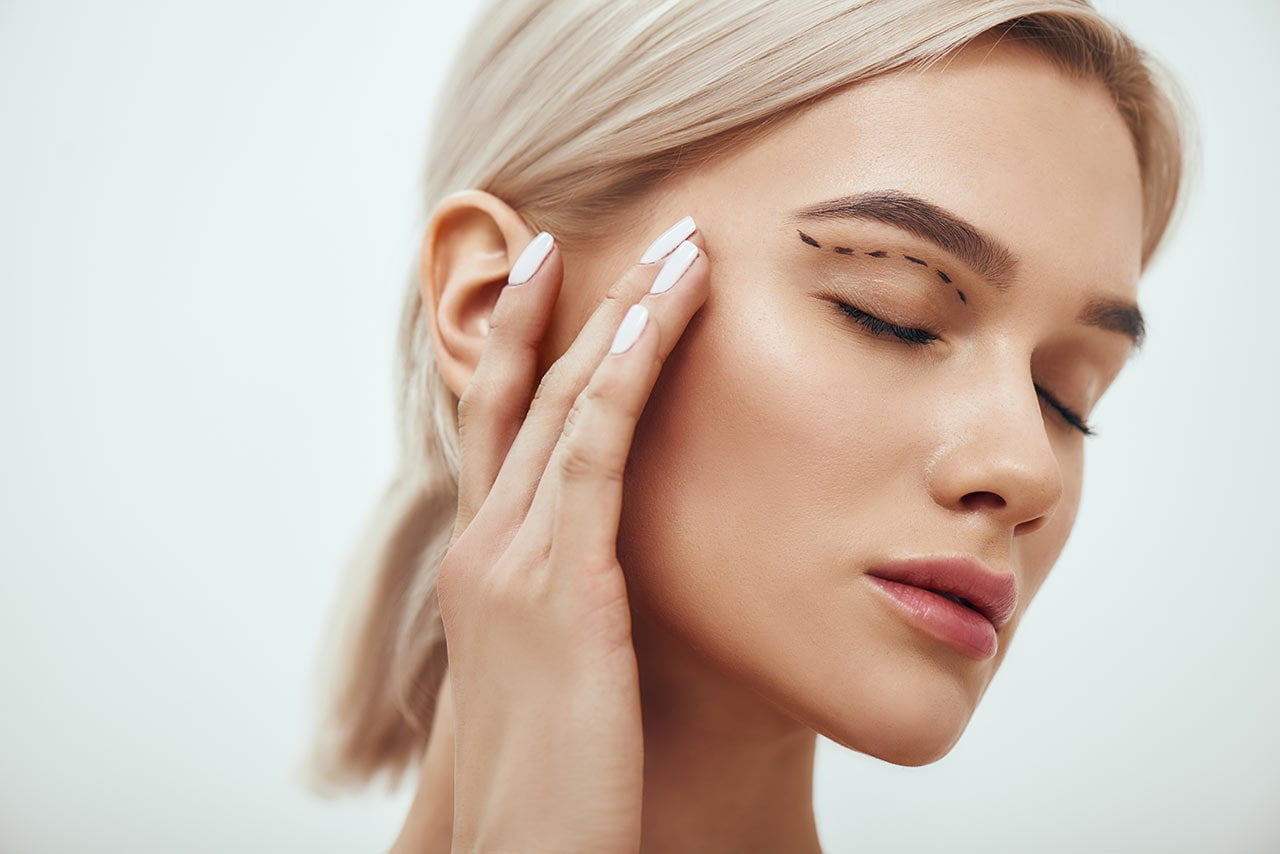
x=572 y=112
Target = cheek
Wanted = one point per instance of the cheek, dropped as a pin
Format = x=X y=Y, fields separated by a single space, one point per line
x=755 y=476
x=765 y=470
x=1039 y=551
x=778 y=454
x=586 y=282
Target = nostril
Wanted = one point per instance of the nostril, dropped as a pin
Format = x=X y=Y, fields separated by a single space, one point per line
x=978 y=500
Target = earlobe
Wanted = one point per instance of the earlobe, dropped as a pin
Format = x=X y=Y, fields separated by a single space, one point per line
x=471 y=240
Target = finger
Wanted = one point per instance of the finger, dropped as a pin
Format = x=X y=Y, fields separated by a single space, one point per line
x=578 y=504
x=496 y=400
x=526 y=461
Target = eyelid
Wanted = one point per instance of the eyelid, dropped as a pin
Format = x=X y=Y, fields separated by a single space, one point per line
x=915 y=337
x=879 y=326
x=1068 y=414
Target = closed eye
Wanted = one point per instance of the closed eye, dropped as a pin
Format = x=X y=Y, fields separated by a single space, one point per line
x=880 y=327
x=918 y=337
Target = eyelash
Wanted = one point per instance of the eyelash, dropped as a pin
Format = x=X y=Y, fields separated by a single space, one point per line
x=921 y=337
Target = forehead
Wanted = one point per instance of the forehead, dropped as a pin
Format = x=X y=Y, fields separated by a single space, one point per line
x=995 y=133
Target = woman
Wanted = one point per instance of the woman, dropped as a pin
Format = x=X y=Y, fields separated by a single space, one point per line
x=896 y=248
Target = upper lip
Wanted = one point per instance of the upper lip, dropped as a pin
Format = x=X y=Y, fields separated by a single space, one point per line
x=993 y=594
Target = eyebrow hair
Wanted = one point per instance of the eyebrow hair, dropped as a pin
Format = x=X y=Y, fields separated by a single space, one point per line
x=986 y=255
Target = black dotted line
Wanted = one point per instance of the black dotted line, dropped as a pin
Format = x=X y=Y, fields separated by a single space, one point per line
x=880 y=253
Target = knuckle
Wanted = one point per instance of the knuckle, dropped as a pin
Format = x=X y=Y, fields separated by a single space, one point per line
x=628 y=286
x=517 y=586
x=501 y=593
x=507 y=586
x=497 y=319
x=571 y=419
x=582 y=460
x=550 y=390
x=475 y=398
x=605 y=393
x=601 y=391
x=591 y=396
x=619 y=291
x=658 y=362
x=609 y=392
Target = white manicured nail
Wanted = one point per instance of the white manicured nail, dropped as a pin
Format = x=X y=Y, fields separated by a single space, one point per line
x=531 y=259
x=675 y=267
x=669 y=240
x=630 y=328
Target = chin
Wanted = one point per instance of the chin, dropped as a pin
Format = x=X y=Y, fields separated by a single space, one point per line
x=900 y=705
x=906 y=705
x=900 y=725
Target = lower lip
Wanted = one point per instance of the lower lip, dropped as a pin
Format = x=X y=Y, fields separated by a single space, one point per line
x=965 y=629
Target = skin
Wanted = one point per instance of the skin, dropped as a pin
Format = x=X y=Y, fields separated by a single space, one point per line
x=785 y=449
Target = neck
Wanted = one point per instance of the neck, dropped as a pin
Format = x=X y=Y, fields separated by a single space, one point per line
x=724 y=769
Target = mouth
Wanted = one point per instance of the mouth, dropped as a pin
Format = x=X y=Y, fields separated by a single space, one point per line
x=961 y=579
x=954 y=598
x=957 y=599
x=943 y=616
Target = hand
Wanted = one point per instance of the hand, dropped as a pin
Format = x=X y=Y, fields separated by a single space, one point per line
x=549 y=746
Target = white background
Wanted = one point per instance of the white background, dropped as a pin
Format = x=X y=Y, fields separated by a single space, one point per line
x=207 y=214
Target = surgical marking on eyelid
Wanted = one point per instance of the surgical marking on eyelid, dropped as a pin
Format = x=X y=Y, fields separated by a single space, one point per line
x=880 y=253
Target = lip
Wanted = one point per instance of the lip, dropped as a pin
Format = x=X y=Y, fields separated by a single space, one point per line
x=911 y=585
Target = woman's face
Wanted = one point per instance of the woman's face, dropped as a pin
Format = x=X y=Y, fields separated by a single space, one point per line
x=787 y=449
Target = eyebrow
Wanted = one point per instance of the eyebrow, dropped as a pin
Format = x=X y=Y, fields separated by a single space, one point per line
x=984 y=254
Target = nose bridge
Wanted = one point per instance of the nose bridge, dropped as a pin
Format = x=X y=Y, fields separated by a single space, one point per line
x=1000 y=458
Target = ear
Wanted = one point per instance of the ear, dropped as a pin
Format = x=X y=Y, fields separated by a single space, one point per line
x=471 y=241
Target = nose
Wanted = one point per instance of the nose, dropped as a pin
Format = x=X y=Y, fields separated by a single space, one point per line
x=999 y=457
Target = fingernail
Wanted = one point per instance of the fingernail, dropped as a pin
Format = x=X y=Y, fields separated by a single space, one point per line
x=630 y=328
x=675 y=267
x=669 y=240
x=531 y=259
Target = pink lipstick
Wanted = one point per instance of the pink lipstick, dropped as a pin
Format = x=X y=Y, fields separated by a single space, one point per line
x=956 y=599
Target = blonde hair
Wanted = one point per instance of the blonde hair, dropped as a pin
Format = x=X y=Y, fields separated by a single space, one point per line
x=572 y=111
